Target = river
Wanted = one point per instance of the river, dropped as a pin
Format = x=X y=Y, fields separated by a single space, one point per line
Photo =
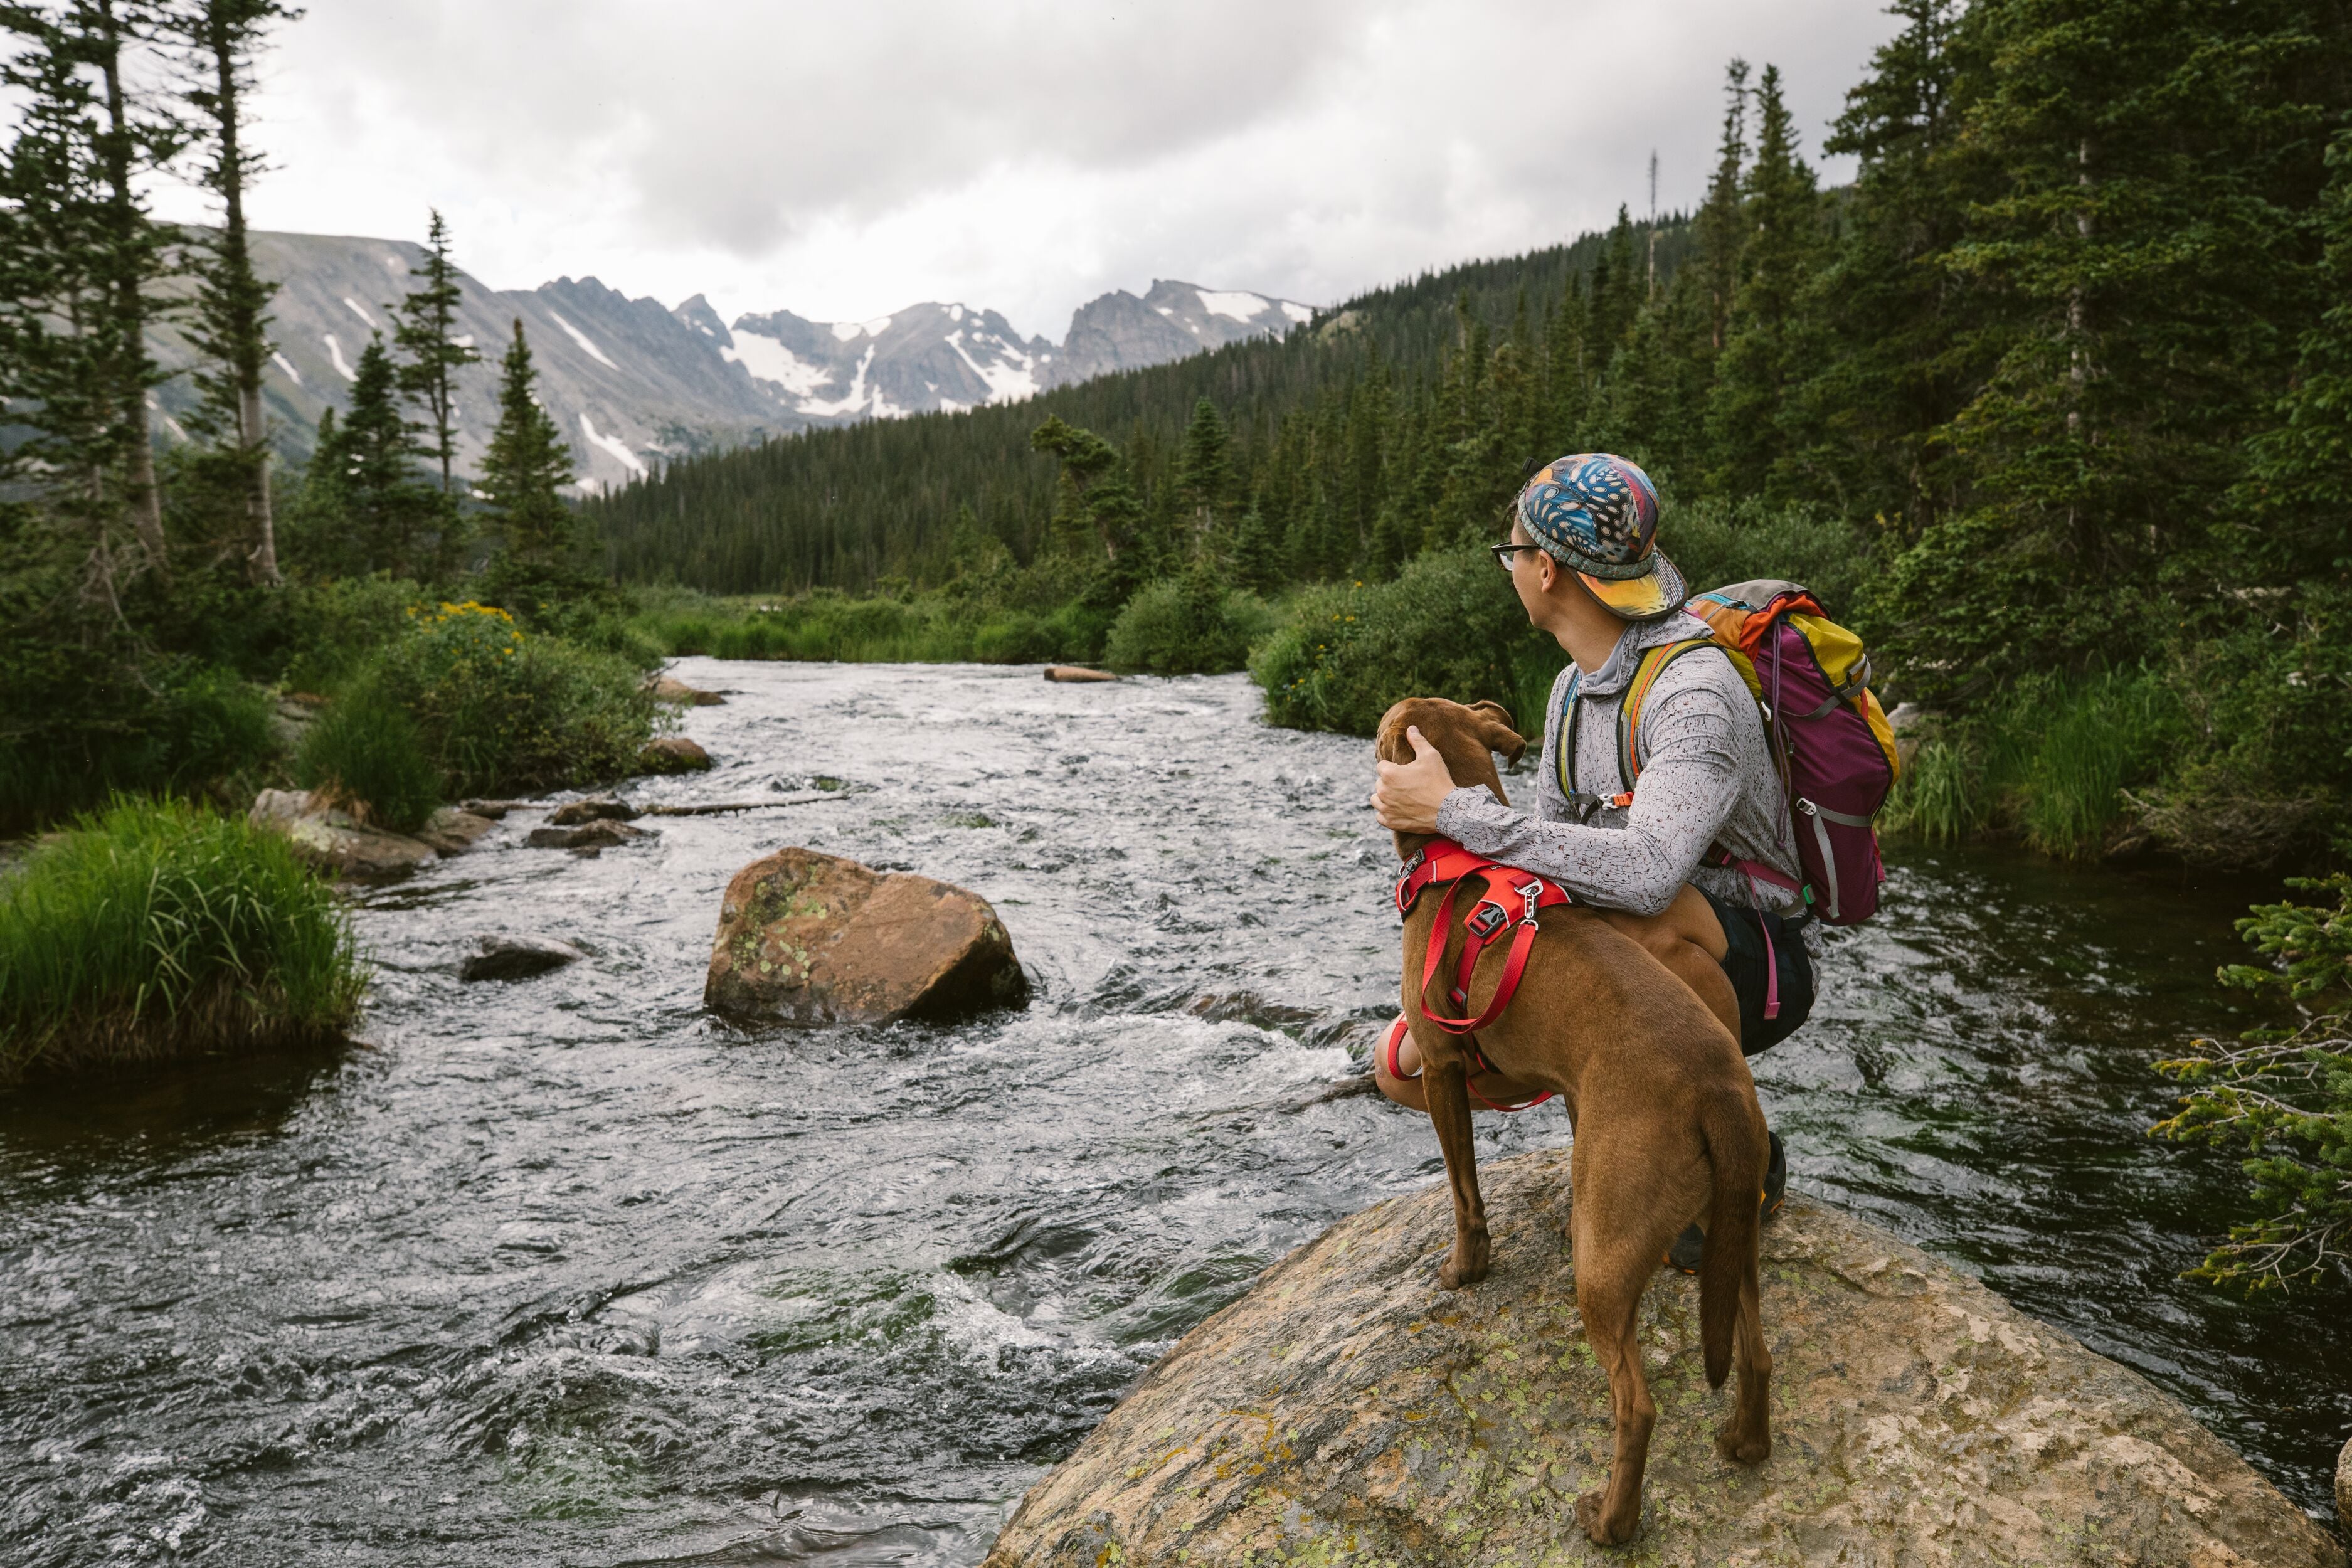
x=567 y=1270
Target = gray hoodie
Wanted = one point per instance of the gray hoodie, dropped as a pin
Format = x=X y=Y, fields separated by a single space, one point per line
x=1706 y=778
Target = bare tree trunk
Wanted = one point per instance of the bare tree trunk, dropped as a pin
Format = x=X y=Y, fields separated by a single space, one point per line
x=245 y=363
x=144 y=502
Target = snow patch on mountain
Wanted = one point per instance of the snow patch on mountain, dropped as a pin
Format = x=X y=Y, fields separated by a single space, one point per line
x=335 y=352
x=612 y=444
x=360 y=311
x=1236 y=307
x=288 y=366
x=582 y=338
x=769 y=361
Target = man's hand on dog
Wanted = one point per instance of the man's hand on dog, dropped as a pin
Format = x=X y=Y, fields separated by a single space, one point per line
x=1410 y=792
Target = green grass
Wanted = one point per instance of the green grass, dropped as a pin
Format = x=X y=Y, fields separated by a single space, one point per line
x=2049 y=762
x=366 y=752
x=153 y=929
x=932 y=629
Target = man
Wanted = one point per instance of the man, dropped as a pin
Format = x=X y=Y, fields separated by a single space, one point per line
x=1664 y=866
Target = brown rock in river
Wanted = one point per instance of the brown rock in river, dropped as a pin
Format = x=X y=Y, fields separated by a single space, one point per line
x=452 y=831
x=673 y=754
x=329 y=838
x=666 y=688
x=805 y=938
x=596 y=808
x=1348 y=1410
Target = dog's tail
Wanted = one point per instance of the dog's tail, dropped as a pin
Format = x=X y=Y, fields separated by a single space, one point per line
x=1736 y=1150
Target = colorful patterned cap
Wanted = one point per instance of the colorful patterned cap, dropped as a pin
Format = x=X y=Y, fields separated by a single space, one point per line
x=1598 y=516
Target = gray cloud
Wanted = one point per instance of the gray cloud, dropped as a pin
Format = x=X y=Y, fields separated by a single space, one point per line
x=845 y=160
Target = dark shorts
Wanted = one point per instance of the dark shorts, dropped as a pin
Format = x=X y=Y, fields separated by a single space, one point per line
x=1744 y=959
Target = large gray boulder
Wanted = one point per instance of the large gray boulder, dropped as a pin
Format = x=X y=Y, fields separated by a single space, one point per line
x=1346 y=1409
x=811 y=939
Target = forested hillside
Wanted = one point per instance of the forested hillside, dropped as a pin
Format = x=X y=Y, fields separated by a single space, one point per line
x=1330 y=404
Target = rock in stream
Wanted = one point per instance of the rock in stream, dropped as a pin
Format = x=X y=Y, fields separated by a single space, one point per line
x=1346 y=1409
x=805 y=938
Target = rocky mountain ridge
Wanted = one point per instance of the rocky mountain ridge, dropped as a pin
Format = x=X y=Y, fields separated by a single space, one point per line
x=633 y=382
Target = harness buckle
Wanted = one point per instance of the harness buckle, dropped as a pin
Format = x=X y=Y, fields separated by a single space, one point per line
x=1487 y=918
x=1529 y=893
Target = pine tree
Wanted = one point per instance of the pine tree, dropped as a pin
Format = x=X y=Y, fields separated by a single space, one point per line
x=2300 y=486
x=1750 y=410
x=232 y=299
x=390 y=513
x=1720 y=222
x=527 y=464
x=425 y=330
x=1204 y=475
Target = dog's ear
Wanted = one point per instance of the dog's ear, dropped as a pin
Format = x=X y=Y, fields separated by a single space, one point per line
x=1495 y=729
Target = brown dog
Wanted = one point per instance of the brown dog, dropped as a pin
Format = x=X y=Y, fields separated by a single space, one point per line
x=1665 y=1117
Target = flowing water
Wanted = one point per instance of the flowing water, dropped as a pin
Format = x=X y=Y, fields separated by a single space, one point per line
x=566 y=1271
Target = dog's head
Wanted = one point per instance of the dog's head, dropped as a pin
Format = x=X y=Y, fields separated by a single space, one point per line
x=1467 y=738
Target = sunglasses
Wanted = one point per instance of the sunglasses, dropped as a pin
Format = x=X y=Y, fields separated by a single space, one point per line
x=1503 y=553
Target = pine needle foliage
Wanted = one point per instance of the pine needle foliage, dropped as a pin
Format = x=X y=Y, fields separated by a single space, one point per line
x=2284 y=1097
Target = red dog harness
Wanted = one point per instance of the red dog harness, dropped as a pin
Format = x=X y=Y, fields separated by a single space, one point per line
x=1513 y=899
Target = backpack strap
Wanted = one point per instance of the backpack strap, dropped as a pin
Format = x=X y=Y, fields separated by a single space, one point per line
x=1637 y=693
x=1646 y=670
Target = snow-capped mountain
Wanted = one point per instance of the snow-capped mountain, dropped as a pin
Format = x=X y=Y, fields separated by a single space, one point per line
x=925 y=357
x=633 y=382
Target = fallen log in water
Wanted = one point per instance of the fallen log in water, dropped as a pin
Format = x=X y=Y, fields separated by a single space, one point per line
x=722 y=807
x=1076 y=672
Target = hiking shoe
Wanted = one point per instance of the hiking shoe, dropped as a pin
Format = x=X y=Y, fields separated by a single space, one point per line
x=1690 y=1246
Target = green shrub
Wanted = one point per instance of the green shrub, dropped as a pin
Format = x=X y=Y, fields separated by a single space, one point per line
x=498 y=709
x=1449 y=625
x=366 y=750
x=1717 y=543
x=74 y=730
x=154 y=929
x=1014 y=637
x=2284 y=1098
x=1186 y=625
x=339 y=627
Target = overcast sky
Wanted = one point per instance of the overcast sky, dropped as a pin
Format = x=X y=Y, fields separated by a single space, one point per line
x=843 y=160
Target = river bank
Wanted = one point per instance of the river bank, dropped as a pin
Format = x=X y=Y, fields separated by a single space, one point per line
x=620 y=1282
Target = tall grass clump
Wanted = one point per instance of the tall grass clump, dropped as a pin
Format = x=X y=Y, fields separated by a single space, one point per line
x=1447 y=626
x=2052 y=762
x=70 y=737
x=153 y=929
x=368 y=753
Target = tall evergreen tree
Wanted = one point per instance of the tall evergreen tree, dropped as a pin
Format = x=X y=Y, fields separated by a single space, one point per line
x=390 y=513
x=232 y=299
x=1720 y=224
x=527 y=464
x=1750 y=410
x=1204 y=475
x=425 y=330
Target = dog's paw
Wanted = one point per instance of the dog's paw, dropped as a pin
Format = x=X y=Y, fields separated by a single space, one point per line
x=1469 y=1264
x=1732 y=1447
x=1587 y=1518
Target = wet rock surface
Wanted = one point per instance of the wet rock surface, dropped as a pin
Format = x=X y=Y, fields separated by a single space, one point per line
x=808 y=939
x=673 y=754
x=510 y=957
x=669 y=689
x=1347 y=1408
x=452 y=830
x=597 y=834
x=596 y=808
x=331 y=839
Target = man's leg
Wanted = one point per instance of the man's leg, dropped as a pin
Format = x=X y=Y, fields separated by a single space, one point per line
x=1497 y=1086
x=1688 y=939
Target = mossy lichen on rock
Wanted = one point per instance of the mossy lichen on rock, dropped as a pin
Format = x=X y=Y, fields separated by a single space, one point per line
x=1348 y=1409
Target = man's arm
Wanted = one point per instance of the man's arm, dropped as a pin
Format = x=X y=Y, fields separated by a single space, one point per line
x=1685 y=794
